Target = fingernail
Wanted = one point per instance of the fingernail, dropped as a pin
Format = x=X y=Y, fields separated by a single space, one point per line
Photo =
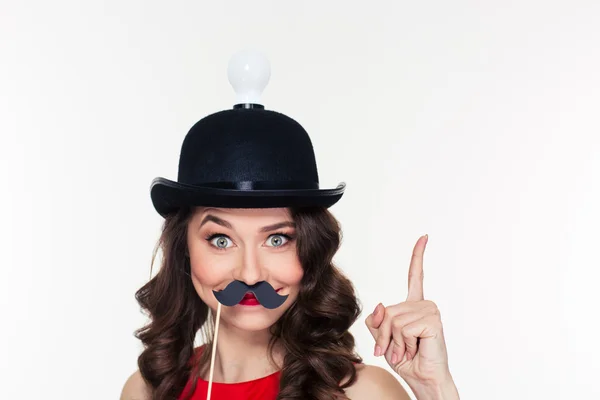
x=376 y=310
x=394 y=358
x=377 y=351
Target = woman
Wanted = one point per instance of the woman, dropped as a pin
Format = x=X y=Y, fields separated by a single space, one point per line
x=247 y=221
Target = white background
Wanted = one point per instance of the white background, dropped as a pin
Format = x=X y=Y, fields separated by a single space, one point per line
x=474 y=121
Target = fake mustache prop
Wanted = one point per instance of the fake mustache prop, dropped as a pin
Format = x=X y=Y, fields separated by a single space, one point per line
x=263 y=291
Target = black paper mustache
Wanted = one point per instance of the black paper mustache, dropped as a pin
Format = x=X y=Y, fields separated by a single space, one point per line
x=263 y=291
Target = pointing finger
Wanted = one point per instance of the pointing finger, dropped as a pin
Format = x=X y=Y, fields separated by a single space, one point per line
x=415 y=271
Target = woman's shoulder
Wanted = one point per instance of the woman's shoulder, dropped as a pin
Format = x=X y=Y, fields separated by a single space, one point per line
x=135 y=388
x=373 y=382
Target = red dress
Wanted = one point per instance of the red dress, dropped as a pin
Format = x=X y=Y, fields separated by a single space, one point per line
x=265 y=388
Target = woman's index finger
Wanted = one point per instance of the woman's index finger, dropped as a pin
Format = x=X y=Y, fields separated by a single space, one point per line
x=415 y=271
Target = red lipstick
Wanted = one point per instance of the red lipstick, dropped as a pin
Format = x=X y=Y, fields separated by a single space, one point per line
x=250 y=300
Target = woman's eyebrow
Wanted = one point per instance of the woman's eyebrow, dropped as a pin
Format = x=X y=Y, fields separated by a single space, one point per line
x=278 y=225
x=226 y=224
x=216 y=220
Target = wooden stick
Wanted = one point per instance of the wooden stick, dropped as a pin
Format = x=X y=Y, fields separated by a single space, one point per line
x=214 y=352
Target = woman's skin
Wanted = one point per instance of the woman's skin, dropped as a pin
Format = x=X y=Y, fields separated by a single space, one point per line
x=246 y=245
x=253 y=245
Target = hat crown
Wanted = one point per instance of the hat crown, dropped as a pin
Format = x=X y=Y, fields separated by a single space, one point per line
x=245 y=157
x=247 y=145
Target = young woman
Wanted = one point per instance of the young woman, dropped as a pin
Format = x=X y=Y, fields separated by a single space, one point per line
x=247 y=248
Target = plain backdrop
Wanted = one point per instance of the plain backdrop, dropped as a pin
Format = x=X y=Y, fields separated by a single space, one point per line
x=476 y=122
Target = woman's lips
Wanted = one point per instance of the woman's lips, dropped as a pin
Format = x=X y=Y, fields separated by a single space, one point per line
x=250 y=300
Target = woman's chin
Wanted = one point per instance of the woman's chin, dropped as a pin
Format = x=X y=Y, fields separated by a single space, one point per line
x=256 y=320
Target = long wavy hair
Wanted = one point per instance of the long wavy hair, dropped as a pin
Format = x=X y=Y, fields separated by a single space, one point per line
x=319 y=350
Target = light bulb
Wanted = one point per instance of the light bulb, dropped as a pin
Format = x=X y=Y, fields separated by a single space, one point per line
x=249 y=72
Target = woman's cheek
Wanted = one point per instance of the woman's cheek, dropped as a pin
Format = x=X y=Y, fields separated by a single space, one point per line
x=210 y=272
x=288 y=270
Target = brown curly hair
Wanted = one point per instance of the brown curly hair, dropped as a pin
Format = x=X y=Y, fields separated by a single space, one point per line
x=319 y=349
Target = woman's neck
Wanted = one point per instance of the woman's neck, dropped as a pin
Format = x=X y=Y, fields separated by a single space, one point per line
x=242 y=356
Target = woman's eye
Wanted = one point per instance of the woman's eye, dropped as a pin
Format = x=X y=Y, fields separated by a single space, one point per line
x=276 y=240
x=221 y=242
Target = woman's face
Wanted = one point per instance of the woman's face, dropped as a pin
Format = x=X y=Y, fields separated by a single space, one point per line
x=249 y=245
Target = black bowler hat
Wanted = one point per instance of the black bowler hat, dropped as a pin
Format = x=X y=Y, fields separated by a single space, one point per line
x=245 y=157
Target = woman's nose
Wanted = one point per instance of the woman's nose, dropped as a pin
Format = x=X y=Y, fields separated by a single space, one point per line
x=250 y=270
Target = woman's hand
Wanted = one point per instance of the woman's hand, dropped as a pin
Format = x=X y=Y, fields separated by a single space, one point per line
x=411 y=337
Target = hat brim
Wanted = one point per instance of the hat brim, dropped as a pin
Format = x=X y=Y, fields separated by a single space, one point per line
x=168 y=196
